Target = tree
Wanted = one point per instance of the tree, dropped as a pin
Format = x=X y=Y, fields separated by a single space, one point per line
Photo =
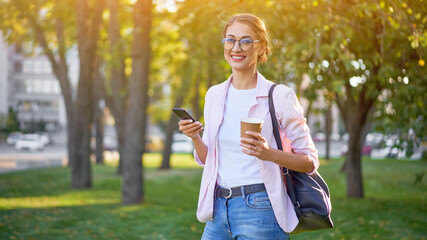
x=12 y=123
x=89 y=18
x=138 y=101
x=52 y=27
x=116 y=78
x=98 y=99
x=346 y=53
x=127 y=94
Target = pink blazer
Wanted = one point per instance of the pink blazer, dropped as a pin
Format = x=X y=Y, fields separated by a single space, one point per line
x=294 y=132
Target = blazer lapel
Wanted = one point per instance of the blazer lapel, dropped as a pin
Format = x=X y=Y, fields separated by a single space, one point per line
x=219 y=106
x=263 y=86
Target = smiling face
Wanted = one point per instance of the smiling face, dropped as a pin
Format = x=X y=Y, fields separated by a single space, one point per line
x=238 y=59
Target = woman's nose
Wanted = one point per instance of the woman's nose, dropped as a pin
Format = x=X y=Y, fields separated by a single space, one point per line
x=236 y=47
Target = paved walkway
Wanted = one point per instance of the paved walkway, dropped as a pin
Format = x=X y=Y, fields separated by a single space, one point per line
x=12 y=163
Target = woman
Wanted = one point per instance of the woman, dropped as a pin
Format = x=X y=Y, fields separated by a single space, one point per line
x=242 y=195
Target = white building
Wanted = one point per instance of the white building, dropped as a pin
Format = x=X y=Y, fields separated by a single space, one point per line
x=28 y=85
x=4 y=69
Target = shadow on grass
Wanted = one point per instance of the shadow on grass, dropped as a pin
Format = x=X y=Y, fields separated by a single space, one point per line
x=167 y=213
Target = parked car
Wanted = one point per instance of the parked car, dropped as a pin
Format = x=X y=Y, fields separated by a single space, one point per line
x=335 y=137
x=374 y=139
x=319 y=137
x=182 y=144
x=366 y=150
x=13 y=137
x=29 y=141
x=44 y=137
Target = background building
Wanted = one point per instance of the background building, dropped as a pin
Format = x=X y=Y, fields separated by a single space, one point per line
x=4 y=66
x=28 y=85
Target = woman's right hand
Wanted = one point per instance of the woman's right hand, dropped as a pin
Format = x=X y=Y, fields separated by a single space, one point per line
x=189 y=128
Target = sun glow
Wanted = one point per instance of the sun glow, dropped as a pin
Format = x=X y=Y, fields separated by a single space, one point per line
x=166 y=5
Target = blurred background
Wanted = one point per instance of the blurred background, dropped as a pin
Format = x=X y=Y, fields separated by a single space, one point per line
x=94 y=81
x=355 y=65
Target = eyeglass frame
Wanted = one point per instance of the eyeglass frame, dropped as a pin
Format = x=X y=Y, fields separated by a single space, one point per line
x=240 y=43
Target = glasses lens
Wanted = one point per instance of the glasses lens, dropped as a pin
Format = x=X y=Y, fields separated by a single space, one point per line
x=228 y=43
x=245 y=44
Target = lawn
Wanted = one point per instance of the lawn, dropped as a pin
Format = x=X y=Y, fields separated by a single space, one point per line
x=39 y=204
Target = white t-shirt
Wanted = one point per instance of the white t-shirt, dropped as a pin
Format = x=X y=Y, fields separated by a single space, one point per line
x=236 y=168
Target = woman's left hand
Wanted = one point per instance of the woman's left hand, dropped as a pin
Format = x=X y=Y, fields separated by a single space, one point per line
x=255 y=147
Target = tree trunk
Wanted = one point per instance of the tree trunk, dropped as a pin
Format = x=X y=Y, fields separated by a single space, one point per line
x=171 y=127
x=81 y=175
x=71 y=139
x=81 y=167
x=356 y=122
x=98 y=95
x=120 y=127
x=132 y=188
x=117 y=101
x=87 y=36
x=60 y=69
x=99 y=135
x=328 y=125
x=353 y=165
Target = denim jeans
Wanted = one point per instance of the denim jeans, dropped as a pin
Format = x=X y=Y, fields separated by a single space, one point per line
x=247 y=217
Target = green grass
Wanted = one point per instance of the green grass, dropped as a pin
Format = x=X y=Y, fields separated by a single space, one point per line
x=39 y=204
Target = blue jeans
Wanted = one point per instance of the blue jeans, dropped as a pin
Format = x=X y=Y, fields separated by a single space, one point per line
x=247 y=217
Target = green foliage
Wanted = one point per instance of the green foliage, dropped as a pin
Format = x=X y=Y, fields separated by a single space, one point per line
x=12 y=123
x=3 y=119
x=39 y=204
x=166 y=66
x=359 y=52
x=19 y=18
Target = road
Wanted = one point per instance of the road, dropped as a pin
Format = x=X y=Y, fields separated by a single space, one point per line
x=334 y=151
x=53 y=155
x=56 y=154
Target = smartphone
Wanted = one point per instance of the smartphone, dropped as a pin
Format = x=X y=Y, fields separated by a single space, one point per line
x=183 y=114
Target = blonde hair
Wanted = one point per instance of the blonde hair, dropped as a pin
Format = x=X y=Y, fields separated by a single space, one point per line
x=257 y=25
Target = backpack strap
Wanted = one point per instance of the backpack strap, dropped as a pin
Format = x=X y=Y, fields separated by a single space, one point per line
x=289 y=186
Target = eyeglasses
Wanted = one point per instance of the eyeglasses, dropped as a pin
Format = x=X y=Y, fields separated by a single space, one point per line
x=245 y=43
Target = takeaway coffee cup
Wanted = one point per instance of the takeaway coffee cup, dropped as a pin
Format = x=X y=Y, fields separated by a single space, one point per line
x=250 y=124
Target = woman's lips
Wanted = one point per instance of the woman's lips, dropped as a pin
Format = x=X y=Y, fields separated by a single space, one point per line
x=237 y=58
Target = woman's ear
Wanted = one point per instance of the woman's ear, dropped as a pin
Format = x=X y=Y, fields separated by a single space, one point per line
x=261 y=51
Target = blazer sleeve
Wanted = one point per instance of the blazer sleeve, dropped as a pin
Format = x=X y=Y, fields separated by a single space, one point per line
x=292 y=121
x=205 y=136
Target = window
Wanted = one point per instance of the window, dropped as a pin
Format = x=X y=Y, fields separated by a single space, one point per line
x=18 y=66
x=28 y=66
x=47 y=67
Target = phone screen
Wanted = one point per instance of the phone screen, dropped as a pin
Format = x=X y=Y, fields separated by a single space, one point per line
x=182 y=113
